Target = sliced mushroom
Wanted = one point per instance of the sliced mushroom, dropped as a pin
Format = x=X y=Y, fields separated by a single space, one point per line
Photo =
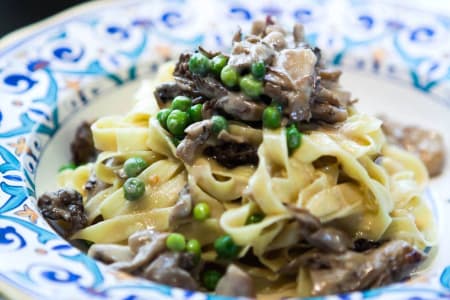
x=171 y=268
x=329 y=239
x=427 y=144
x=235 y=283
x=332 y=273
x=241 y=107
x=196 y=136
x=183 y=207
x=146 y=245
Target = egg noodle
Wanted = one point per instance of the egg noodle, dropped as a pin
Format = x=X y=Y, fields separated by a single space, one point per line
x=365 y=197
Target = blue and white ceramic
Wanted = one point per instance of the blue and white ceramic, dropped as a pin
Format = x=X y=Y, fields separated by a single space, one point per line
x=84 y=63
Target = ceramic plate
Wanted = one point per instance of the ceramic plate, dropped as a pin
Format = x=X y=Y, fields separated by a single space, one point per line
x=88 y=63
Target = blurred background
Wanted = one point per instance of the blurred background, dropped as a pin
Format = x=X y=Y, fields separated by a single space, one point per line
x=15 y=14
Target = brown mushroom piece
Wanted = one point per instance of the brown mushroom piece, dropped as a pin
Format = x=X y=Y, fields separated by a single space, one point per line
x=172 y=268
x=228 y=137
x=183 y=206
x=258 y=27
x=335 y=97
x=207 y=87
x=237 y=37
x=427 y=144
x=145 y=245
x=228 y=149
x=325 y=238
x=249 y=51
x=330 y=74
x=328 y=113
x=241 y=107
x=353 y=271
x=195 y=141
x=332 y=273
x=146 y=255
x=276 y=40
x=93 y=185
x=166 y=91
x=231 y=154
x=291 y=80
x=298 y=33
x=308 y=222
x=361 y=245
x=64 y=205
x=82 y=147
x=235 y=283
x=329 y=239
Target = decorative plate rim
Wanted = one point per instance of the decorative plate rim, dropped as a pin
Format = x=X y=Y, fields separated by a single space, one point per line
x=21 y=35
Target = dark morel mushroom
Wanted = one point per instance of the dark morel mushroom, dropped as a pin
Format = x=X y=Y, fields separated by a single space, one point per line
x=82 y=146
x=64 y=205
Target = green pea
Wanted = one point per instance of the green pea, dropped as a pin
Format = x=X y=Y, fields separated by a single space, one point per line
x=226 y=248
x=176 y=242
x=201 y=211
x=177 y=122
x=134 y=166
x=255 y=218
x=229 y=76
x=162 y=116
x=219 y=124
x=182 y=103
x=133 y=188
x=195 y=113
x=293 y=138
x=258 y=70
x=199 y=64
x=69 y=166
x=193 y=246
x=210 y=278
x=271 y=117
x=218 y=63
x=250 y=86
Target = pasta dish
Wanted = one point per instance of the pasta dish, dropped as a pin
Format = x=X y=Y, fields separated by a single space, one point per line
x=247 y=174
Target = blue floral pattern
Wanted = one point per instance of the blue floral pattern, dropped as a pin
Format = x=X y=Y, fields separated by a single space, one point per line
x=47 y=76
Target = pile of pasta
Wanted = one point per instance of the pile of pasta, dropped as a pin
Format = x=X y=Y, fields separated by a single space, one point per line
x=366 y=197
